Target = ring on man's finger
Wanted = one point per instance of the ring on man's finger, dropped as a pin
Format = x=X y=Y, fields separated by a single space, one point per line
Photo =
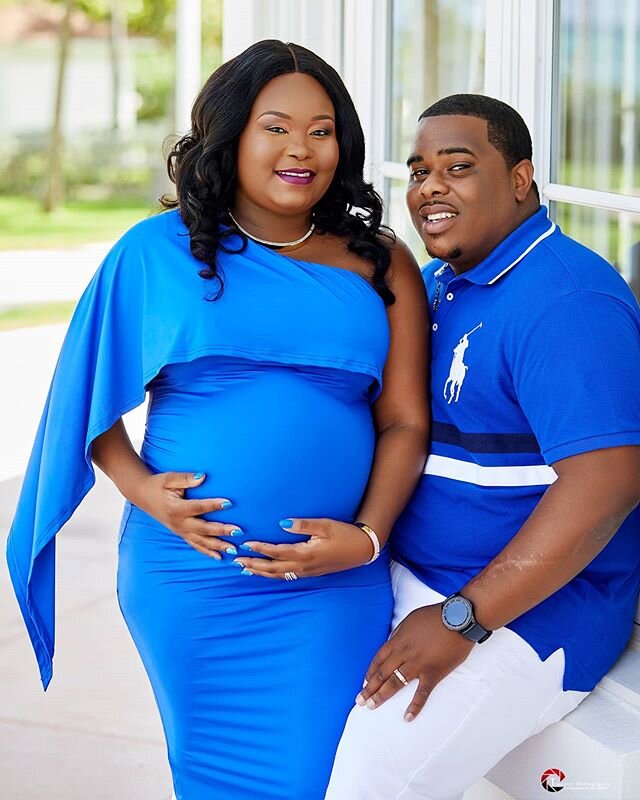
x=400 y=677
x=290 y=576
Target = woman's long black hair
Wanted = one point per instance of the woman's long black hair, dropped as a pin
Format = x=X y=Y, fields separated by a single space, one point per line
x=202 y=164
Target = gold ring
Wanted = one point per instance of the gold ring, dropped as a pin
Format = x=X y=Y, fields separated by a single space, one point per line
x=400 y=677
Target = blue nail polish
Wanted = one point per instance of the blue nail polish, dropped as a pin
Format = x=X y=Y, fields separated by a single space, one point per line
x=246 y=547
x=246 y=572
x=236 y=532
x=286 y=523
x=231 y=550
x=238 y=564
x=198 y=475
x=226 y=504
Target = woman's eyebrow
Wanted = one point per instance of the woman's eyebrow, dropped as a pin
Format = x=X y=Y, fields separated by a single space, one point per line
x=282 y=115
x=275 y=114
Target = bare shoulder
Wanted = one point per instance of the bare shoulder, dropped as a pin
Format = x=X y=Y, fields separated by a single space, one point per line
x=333 y=250
x=404 y=267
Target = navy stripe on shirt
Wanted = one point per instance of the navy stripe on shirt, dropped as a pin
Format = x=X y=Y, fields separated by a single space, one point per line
x=484 y=442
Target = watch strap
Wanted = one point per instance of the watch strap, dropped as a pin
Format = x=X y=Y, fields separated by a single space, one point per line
x=476 y=633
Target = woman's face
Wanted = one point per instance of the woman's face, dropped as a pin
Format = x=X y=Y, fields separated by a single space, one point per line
x=288 y=151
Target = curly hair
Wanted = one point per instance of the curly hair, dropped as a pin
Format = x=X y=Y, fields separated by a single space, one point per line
x=202 y=164
x=506 y=130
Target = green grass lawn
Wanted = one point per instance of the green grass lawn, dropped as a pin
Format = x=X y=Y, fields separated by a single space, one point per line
x=23 y=224
x=35 y=314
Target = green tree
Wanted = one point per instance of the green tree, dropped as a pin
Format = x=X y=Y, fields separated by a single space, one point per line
x=54 y=190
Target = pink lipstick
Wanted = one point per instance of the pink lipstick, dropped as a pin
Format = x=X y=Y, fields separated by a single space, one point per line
x=298 y=177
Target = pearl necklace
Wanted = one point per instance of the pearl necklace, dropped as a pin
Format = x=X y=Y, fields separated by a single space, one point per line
x=272 y=244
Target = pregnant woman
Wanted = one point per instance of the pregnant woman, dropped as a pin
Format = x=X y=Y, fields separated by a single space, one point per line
x=281 y=335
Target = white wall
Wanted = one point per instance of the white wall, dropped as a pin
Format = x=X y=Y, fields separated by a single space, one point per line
x=27 y=87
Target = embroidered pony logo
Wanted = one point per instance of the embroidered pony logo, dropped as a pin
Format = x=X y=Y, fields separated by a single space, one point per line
x=458 y=371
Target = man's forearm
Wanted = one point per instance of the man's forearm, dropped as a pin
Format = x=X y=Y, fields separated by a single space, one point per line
x=577 y=516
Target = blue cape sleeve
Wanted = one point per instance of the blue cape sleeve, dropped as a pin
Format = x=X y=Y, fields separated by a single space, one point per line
x=98 y=377
x=147 y=306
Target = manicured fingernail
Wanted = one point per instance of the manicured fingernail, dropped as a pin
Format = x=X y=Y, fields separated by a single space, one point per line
x=370 y=703
x=246 y=547
x=360 y=700
x=409 y=717
x=239 y=564
x=226 y=504
x=364 y=683
x=236 y=532
x=286 y=523
x=198 y=475
x=246 y=572
x=231 y=550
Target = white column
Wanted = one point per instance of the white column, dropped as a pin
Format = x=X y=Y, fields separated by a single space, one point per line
x=364 y=71
x=240 y=26
x=317 y=26
x=188 y=60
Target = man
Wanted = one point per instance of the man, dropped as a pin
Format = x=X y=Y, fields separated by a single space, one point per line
x=524 y=518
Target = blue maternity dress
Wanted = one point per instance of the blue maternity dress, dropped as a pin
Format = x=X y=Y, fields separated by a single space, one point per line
x=266 y=390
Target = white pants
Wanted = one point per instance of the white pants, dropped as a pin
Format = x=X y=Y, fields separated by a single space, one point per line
x=502 y=694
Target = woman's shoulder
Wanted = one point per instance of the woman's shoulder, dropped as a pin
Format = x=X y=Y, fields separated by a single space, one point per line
x=403 y=261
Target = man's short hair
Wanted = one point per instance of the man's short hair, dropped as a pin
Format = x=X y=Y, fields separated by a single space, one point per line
x=506 y=130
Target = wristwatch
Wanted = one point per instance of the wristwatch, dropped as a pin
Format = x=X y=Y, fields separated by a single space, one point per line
x=457 y=615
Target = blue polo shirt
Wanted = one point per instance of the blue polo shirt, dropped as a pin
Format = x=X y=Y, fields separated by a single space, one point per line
x=535 y=358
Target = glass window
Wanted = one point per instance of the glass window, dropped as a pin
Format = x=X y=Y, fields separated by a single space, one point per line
x=597 y=80
x=398 y=219
x=437 y=48
x=615 y=235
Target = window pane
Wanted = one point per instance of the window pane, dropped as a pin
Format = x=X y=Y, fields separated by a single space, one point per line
x=437 y=48
x=615 y=235
x=597 y=80
x=398 y=218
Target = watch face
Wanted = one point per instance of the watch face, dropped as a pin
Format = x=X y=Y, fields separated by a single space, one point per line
x=457 y=612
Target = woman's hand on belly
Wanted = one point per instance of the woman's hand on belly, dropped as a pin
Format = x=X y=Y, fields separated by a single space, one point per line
x=162 y=497
x=333 y=546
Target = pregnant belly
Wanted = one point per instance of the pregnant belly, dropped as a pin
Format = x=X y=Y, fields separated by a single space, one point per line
x=278 y=442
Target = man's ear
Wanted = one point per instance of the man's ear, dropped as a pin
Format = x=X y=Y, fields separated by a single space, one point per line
x=522 y=175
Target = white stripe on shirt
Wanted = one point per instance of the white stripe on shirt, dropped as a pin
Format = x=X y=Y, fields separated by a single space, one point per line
x=443 y=467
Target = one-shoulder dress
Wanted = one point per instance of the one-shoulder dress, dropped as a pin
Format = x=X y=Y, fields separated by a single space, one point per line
x=268 y=391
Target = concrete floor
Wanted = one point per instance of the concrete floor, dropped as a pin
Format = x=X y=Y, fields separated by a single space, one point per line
x=96 y=732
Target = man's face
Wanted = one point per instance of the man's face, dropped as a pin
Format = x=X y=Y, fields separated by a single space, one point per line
x=462 y=197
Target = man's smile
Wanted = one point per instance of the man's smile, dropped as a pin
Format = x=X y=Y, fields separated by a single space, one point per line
x=437 y=217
